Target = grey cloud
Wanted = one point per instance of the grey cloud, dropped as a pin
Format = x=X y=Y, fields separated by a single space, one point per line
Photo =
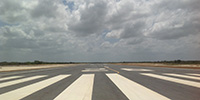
x=91 y=20
x=45 y=8
x=12 y=12
x=185 y=14
x=37 y=32
x=124 y=14
x=133 y=30
x=21 y=43
x=134 y=41
x=120 y=19
x=194 y=5
x=16 y=38
x=55 y=28
x=99 y=30
x=9 y=5
x=171 y=31
x=11 y=32
x=176 y=33
x=191 y=5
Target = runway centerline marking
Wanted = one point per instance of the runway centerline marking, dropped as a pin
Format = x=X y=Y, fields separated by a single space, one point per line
x=81 y=89
x=176 y=80
x=133 y=90
x=111 y=69
x=20 y=93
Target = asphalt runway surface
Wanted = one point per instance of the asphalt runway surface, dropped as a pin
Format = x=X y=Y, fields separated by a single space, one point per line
x=101 y=82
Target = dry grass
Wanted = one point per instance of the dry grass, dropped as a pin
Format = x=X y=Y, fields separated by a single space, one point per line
x=31 y=67
x=188 y=66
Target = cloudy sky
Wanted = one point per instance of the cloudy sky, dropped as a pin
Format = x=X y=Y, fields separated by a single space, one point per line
x=99 y=30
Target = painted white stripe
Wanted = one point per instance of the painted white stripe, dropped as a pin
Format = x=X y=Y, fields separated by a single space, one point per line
x=9 y=83
x=194 y=74
x=81 y=89
x=131 y=69
x=27 y=71
x=27 y=90
x=180 y=81
x=94 y=70
x=8 y=78
x=133 y=90
x=183 y=76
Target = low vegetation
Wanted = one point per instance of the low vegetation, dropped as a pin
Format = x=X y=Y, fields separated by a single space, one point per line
x=37 y=62
x=170 y=62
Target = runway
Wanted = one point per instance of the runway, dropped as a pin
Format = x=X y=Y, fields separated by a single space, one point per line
x=101 y=82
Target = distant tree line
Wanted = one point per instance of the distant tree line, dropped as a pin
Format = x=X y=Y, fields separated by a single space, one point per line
x=168 y=62
x=36 y=62
x=182 y=62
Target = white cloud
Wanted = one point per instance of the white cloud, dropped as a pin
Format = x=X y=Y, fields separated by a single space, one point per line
x=99 y=30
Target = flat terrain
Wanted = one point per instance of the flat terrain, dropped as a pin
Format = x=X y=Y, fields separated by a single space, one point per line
x=101 y=82
x=169 y=65
x=9 y=68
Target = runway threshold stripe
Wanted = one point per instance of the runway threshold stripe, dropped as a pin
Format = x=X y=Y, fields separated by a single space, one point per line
x=81 y=89
x=27 y=90
x=8 y=78
x=183 y=76
x=194 y=74
x=131 y=69
x=9 y=83
x=133 y=90
x=176 y=80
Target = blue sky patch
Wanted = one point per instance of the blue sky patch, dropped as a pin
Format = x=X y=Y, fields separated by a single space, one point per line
x=111 y=40
x=2 y=23
x=5 y=24
x=117 y=0
x=70 y=4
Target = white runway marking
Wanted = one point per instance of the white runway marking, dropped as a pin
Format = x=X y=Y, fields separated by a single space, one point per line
x=133 y=90
x=8 y=78
x=27 y=90
x=94 y=70
x=183 y=76
x=131 y=69
x=23 y=72
x=20 y=80
x=180 y=81
x=194 y=74
x=81 y=89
